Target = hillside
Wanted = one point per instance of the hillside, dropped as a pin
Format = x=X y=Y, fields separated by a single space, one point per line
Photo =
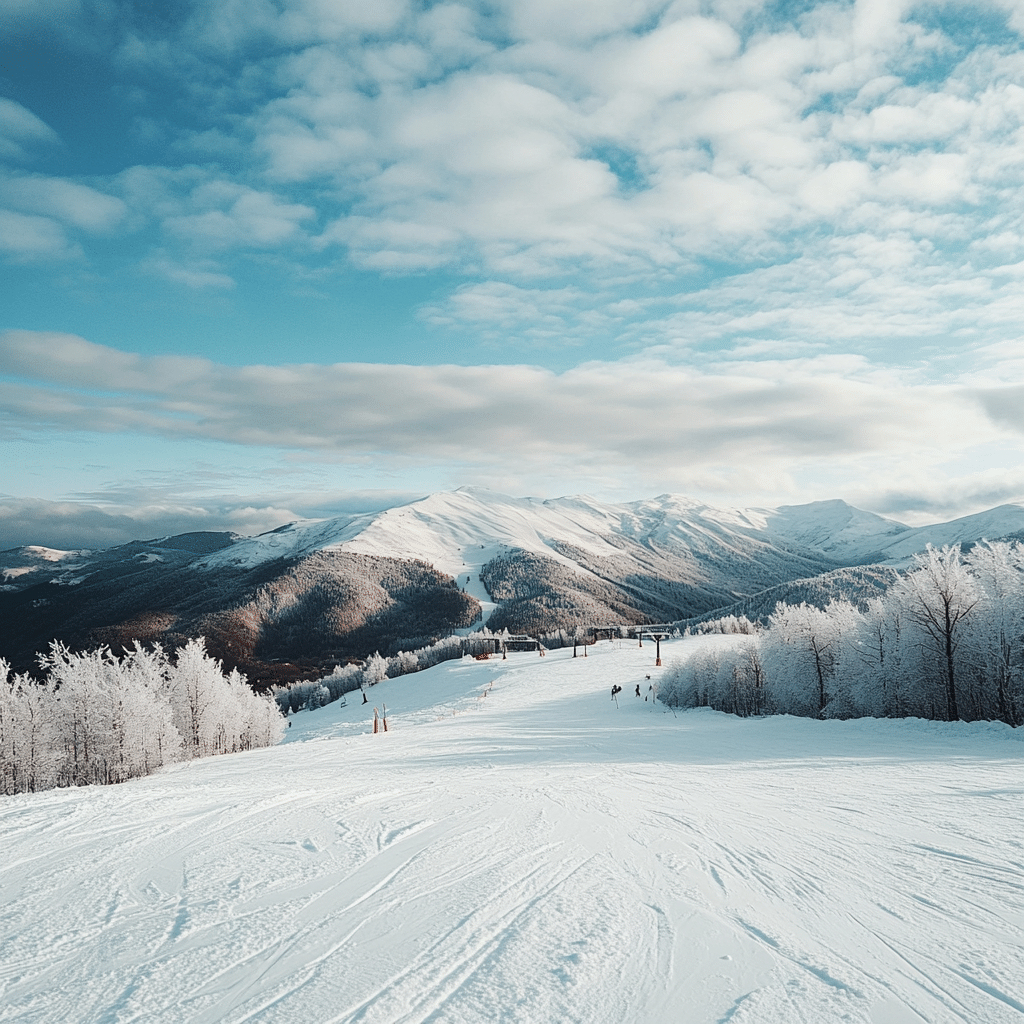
x=458 y=530
x=277 y=620
x=520 y=848
x=292 y=602
x=857 y=584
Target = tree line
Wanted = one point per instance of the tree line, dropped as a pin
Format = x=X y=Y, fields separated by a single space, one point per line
x=945 y=641
x=308 y=696
x=98 y=718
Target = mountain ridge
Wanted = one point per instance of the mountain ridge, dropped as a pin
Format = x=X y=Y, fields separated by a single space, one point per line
x=291 y=601
x=664 y=521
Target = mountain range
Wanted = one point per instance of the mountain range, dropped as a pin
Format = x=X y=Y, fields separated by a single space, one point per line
x=293 y=602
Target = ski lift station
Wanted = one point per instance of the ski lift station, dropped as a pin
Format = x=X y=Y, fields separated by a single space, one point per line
x=522 y=642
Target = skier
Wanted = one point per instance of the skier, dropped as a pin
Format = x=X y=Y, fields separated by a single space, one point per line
x=638 y=689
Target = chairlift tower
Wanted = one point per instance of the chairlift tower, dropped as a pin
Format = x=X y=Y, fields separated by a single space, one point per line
x=657 y=638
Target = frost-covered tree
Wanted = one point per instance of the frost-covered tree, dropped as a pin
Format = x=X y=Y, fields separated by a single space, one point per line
x=946 y=640
x=801 y=653
x=939 y=595
x=214 y=713
x=749 y=693
x=998 y=628
x=256 y=721
x=375 y=670
x=874 y=663
x=402 y=664
x=196 y=698
x=694 y=682
x=730 y=679
x=26 y=735
x=97 y=718
x=704 y=674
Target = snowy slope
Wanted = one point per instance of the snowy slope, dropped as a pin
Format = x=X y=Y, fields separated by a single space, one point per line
x=461 y=530
x=1003 y=521
x=519 y=848
x=458 y=530
x=449 y=529
x=846 y=534
x=26 y=565
x=561 y=563
x=295 y=601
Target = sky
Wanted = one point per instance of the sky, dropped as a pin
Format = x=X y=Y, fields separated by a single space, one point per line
x=265 y=259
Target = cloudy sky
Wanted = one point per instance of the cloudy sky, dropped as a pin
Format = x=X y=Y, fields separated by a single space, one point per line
x=270 y=258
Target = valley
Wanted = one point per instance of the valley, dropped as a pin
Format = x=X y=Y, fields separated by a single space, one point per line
x=292 y=603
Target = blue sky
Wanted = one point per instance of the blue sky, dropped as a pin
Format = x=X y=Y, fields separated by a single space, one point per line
x=275 y=258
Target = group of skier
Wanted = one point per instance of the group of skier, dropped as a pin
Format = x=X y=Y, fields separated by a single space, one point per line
x=651 y=692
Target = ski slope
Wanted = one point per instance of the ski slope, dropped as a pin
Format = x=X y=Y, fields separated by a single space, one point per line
x=520 y=848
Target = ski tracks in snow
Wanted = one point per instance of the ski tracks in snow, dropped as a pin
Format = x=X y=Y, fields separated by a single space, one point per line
x=548 y=858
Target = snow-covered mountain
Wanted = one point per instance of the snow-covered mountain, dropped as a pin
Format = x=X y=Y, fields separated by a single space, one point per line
x=1004 y=521
x=327 y=590
x=455 y=529
x=843 y=533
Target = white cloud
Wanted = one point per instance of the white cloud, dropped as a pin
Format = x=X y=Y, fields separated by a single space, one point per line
x=574 y=20
x=196 y=275
x=232 y=24
x=936 y=489
x=118 y=515
x=69 y=525
x=645 y=423
x=835 y=187
x=75 y=205
x=593 y=145
x=20 y=129
x=26 y=239
x=882 y=293
x=235 y=216
x=922 y=117
x=702 y=181
x=497 y=311
x=607 y=143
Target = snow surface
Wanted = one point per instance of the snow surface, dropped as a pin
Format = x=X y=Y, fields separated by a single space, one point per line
x=993 y=524
x=834 y=528
x=450 y=530
x=44 y=554
x=519 y=847
x=458 y=529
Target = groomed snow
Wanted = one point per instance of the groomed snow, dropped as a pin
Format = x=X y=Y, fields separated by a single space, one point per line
x=519 y=848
